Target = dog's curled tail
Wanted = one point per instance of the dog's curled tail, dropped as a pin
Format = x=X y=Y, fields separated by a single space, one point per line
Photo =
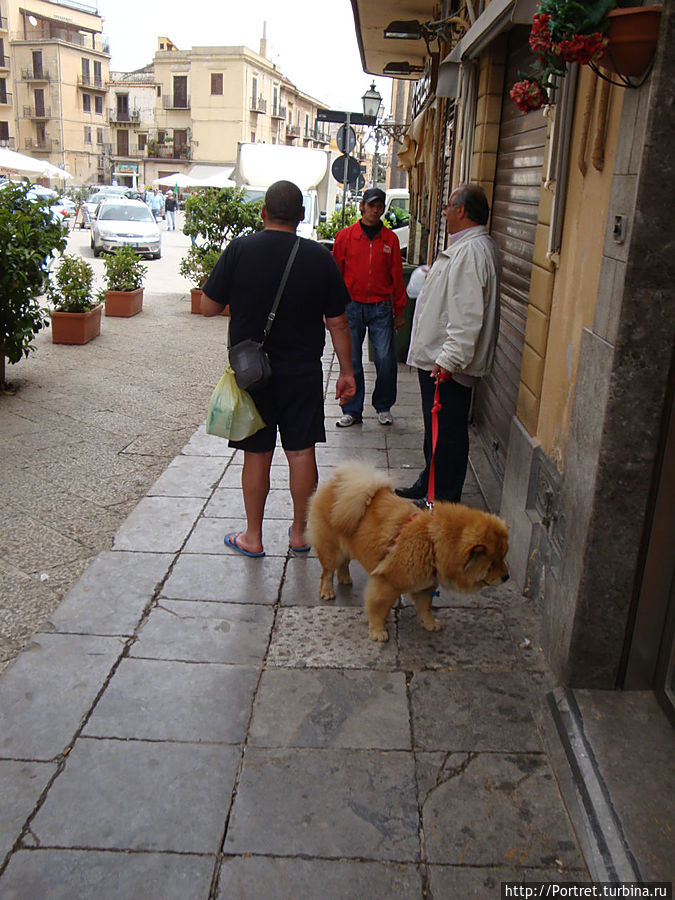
x=355 y=485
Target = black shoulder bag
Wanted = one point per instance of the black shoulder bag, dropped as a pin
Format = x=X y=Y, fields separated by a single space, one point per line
x=249 y=361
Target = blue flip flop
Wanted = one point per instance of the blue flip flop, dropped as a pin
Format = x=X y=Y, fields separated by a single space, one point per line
x=231 y=541
x=304 y=549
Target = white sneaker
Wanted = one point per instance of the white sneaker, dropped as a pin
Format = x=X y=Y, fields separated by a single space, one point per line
x=346 y=421
x=385 y=418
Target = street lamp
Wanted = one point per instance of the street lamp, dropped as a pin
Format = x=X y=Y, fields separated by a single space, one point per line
x=372 y=100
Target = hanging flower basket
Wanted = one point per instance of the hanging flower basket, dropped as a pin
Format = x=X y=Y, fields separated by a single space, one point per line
x=592 y=33
x=631 y=39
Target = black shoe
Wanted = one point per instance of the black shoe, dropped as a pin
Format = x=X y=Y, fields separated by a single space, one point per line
x=414 y=492
x=422 y=503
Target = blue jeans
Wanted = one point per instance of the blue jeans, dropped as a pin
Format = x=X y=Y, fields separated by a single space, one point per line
x=170 y=219
x=377 y=320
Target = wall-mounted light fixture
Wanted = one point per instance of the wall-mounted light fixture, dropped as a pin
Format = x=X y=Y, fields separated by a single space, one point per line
x=408 y=30
x=449 y=30
x=401 y=68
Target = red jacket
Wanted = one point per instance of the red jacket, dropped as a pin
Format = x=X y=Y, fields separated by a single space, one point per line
x=372 y=270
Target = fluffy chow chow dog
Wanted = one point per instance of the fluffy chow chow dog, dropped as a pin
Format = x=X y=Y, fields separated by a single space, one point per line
x=356 y=515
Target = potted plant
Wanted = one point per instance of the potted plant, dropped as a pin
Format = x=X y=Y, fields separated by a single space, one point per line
x=29 y=236
x=196 y=266
x=76 y=313
x=567 y=31
x=215 y=217
x=124 y=273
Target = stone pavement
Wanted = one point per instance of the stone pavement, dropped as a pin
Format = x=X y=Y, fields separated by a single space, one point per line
x=194 y=724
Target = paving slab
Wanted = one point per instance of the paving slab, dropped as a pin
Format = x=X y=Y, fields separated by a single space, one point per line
x=494 y=809
x=48 y=690
x=229 y=503
x=473 y=711
x=84 y=874
x=159 y=524
x=205 y=632
x=320 y=637
x=232 y=476
x=281 y=879
x=203 y=444
x=301 y=584
x=189 y=477
x=338 y=709
x=484 y=883
x=158 y=700
x=469 y=639
x=137 y=795
x=111 y=594
x=329 y=803
x=21 y=784
x=209 y=537
x=221 y=578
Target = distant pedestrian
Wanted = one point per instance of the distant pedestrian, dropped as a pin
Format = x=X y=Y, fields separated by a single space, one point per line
x=369 y=257
x=156 y=204
x=170 y=208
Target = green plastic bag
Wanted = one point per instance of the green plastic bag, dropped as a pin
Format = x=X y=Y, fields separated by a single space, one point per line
x=232 y=413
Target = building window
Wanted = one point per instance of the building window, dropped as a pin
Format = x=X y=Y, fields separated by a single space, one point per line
x=216 y=83
x=4 y=132
x=159 y=90
x=98 y=105
x=86 y=102
x=85 y=70
x=87 y=134
x=99 y=135
x=142 y=141
x=98 y=72
x=254 y=90
x=3 y=90
x=253 y=137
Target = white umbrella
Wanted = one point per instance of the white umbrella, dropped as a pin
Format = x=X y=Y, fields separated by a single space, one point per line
x=57 y=172
x=177 y=178
x=18 y=164
x=217 y=181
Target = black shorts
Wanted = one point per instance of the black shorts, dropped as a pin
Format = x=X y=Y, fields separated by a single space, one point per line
x=293 y=403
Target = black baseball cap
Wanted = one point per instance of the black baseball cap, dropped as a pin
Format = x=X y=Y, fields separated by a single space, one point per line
x=373 y=194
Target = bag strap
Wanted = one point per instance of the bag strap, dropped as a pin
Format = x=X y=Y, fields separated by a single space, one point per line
x=282 y=285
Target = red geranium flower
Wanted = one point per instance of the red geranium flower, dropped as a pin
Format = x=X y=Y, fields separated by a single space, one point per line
x=540 y=36
x=528 y=95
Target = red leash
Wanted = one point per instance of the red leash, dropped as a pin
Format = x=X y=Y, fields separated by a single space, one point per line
x=435 y=409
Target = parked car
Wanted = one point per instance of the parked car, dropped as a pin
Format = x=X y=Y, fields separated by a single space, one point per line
x=120 y=222
x=90 y=206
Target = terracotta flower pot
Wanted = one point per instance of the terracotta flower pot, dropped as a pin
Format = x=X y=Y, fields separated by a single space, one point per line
x=124 y=303
x=76 y=328
x=195 y=301
x=633 y=33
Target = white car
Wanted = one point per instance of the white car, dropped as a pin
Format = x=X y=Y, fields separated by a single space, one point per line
x=119 y=222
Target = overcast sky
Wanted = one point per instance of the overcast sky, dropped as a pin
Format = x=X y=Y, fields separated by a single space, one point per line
x=313 y=43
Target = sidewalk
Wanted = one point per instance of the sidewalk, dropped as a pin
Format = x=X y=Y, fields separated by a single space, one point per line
x=194 y=724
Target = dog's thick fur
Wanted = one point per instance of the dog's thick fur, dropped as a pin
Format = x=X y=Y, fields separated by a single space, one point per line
x=356 y=515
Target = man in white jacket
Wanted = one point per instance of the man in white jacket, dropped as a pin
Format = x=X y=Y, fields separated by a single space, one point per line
x=453 y=338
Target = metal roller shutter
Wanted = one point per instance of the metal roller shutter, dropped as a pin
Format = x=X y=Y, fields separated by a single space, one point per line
x=514 y=220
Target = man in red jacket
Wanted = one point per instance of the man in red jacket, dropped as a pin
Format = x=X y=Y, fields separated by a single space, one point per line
x=369 y=257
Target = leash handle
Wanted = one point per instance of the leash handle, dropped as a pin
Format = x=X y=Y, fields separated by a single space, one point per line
x=435 y=409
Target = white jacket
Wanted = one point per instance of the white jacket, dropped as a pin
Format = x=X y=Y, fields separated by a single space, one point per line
x=456 y=319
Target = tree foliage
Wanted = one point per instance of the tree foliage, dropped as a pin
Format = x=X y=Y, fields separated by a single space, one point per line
x=124 y=270
x=219 y=216
x=70 y=289
x=328 y=230
x=28 y=237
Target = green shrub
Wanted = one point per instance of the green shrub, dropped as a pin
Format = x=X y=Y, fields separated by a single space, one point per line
x=197 y=264
x=328 y=230
x=124 y=270
x=70 y=288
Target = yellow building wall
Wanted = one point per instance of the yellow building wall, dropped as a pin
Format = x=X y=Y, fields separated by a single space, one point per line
x=576 y=280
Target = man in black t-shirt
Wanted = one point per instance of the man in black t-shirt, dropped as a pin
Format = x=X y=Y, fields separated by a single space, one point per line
x=246 y=277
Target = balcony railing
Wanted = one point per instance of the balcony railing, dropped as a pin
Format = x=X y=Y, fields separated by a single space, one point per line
x=167 y=151
x=91 y=82
x=8 y=143
x=278 y=112
x=174 y=102
x=315 y=134
x=6 y=99
x=4 y=61
x=32 y=75
x=258 y=105
x=40 y=146
x=293 y=131
x=88 y=42
x=132 y=115
x=37 y=112
x=3 y=23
